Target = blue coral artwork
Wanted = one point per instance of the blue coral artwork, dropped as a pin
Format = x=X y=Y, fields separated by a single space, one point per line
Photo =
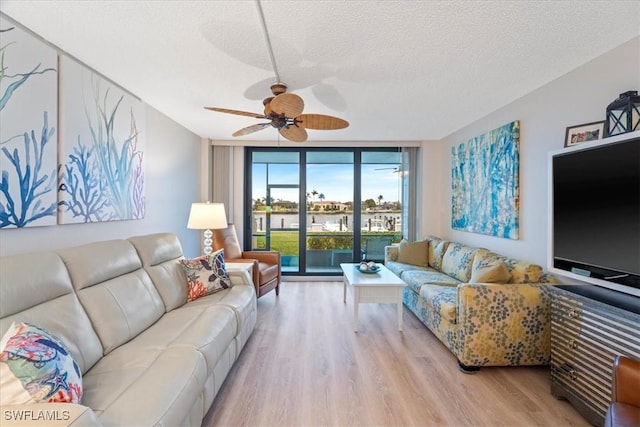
x=484 y=183
x=101 y=173
x=28 y=135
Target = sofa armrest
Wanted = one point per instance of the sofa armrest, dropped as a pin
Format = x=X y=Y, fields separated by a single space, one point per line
x=390 y=253
x=240 y=278
x=503 y=324
x=48 y=414
x=267 y=257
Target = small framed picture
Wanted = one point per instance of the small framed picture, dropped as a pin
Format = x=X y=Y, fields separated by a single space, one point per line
x=583 y=133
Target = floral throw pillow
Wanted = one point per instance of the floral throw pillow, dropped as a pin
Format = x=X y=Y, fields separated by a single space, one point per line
x=36 y=367
x=206 y=275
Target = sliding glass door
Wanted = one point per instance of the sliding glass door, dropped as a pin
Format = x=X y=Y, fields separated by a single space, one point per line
x=273 y=192
x=330 y=189
x=322 y=207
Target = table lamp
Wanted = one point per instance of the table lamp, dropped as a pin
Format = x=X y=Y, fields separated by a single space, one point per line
x=207 y=216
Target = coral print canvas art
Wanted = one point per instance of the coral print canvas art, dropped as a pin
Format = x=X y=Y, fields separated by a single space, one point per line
x=484 y=183
x=28 y=129
x=101 y=176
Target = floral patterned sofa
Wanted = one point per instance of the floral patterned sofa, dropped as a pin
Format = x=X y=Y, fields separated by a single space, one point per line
x=489 y=310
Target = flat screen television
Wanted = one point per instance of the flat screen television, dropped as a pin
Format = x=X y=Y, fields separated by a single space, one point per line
x=595 y=212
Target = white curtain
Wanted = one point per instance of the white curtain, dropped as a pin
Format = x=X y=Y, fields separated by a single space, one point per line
x=409 y=193
x=221 y=177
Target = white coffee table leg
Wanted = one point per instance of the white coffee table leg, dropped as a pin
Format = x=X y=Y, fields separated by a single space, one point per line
x=356 y=302
x=344 y=290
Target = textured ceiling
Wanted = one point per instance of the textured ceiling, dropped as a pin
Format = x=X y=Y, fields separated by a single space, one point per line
x=396 y=70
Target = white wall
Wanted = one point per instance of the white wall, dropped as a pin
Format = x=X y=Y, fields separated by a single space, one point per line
x=172 y=162
x=580 y=96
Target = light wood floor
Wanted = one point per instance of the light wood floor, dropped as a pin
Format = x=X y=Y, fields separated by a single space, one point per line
x=304 y=366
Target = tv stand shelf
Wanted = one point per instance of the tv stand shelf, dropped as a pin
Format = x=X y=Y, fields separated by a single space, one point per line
x=590 y=326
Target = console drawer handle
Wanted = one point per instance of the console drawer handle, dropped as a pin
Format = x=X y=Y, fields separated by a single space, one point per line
x=569 y=370
x=574 y=313
x=573 y=344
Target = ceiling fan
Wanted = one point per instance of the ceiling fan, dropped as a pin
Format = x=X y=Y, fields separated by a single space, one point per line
x=284 y=112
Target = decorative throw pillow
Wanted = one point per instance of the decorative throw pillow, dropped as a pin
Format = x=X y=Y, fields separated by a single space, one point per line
x=415 y=253
x=206 y=275
x=458 y=260
x=523 y=271
x=438 y=253
x=36 y=367
x=489 y=269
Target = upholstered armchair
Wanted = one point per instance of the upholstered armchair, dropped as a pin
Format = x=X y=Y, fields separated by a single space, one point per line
x=625 y=396
x=267 y=272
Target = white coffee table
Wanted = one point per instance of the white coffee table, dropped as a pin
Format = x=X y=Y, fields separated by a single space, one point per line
x=381 y=287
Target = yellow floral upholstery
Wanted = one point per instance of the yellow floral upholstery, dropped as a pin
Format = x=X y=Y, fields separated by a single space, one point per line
x=443 y=330
x=457 y=261
x=503 y=325
x=523 y=272
x=416 y=279
x=441 y=300
x=482 y=324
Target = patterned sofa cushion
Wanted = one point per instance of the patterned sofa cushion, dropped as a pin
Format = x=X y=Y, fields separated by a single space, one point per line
x=415 y=279
x=488 y=267
x=520 y=271
x=398 y=268
x=457 y=261
x=437 y=248
x=442 y=300
x=523 y=272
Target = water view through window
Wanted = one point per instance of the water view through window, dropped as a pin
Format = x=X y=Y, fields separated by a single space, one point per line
x=320 y=208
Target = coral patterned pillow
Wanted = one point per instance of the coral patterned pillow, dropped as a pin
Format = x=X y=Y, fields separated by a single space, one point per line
x=36 y=367
x=206 y=275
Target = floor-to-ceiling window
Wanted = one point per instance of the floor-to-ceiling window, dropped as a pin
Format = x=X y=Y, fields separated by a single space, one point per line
x=322 y=207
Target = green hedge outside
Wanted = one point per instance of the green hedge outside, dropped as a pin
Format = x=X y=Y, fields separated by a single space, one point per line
x=286 y=242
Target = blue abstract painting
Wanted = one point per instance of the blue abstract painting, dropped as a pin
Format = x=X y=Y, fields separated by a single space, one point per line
x=484 y=183
x=28 y=120
x=101 y=171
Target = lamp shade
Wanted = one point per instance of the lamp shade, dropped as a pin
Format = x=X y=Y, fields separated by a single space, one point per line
x=207 y=216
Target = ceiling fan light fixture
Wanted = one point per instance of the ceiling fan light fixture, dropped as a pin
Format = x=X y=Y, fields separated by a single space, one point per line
x=277 y=88
x=284 y=112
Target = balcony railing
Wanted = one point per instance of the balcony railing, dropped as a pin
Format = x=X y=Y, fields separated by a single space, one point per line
x=325 y=250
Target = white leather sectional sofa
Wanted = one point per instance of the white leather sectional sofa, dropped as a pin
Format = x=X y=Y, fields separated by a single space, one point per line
x=147 y=356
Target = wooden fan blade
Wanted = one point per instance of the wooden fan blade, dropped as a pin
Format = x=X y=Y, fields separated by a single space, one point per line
x=251 y=129
x=237 y=112
x=294 y=133
x=288 y=104
x=321 y=122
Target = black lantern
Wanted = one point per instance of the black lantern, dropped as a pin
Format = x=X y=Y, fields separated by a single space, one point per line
x=623 y=114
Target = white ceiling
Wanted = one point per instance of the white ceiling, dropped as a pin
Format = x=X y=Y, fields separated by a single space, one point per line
x=396 y=70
